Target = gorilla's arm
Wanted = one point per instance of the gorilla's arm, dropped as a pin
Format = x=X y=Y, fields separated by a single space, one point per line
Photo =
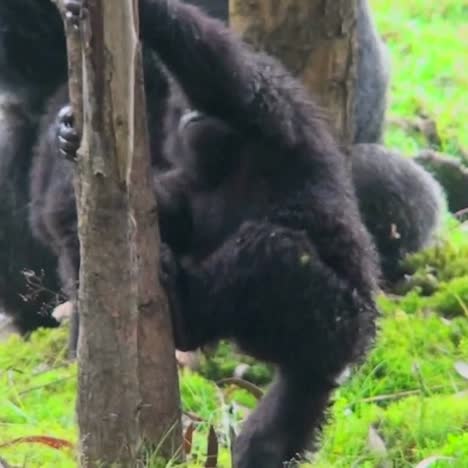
x=223 y=77
x=373 y=71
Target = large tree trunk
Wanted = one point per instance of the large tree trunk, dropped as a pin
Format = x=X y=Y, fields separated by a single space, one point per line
x=316 y=40
x=128 y=385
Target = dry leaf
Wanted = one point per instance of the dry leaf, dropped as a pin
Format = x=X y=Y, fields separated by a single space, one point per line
x=188 y=438
x=257 y=392
x=188 y=359
x=462 y=369
x=241 y=370
x=375 y=442
x=52 y=442
x=63 y=311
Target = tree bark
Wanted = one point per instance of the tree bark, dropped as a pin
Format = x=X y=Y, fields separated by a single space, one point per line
x=160 y=414
x=128 y=398
x=108 y=394
x=315 y=40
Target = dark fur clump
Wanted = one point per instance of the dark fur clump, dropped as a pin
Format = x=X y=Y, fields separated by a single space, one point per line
x=28 y=77
x=28 y=281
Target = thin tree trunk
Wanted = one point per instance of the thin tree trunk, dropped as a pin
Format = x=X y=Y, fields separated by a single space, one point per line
x=128 y=386
x=316 y=40
x=108 y=394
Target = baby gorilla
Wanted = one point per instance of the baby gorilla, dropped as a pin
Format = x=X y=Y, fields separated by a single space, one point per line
x=270 y=249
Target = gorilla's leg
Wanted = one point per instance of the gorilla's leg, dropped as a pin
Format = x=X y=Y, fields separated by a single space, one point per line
x=285 y=421
x=267 y=289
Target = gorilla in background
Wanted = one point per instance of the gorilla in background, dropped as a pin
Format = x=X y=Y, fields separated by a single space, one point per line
x=28 y=77
x=32 y=68
x=401 y=204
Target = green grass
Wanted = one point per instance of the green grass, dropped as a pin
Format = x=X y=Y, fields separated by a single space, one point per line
x=408 y=390
x=37 y=395
x=427 y=40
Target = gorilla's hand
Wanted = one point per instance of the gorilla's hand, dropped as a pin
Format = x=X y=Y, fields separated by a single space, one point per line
x=68 y=139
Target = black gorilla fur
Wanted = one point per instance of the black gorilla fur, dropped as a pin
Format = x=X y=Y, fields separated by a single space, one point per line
x=268 y=225
x=25 y=85
x=28 y=277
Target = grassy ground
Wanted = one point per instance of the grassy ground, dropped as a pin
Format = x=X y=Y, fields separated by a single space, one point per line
x=410 y=400
x=430 y=77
